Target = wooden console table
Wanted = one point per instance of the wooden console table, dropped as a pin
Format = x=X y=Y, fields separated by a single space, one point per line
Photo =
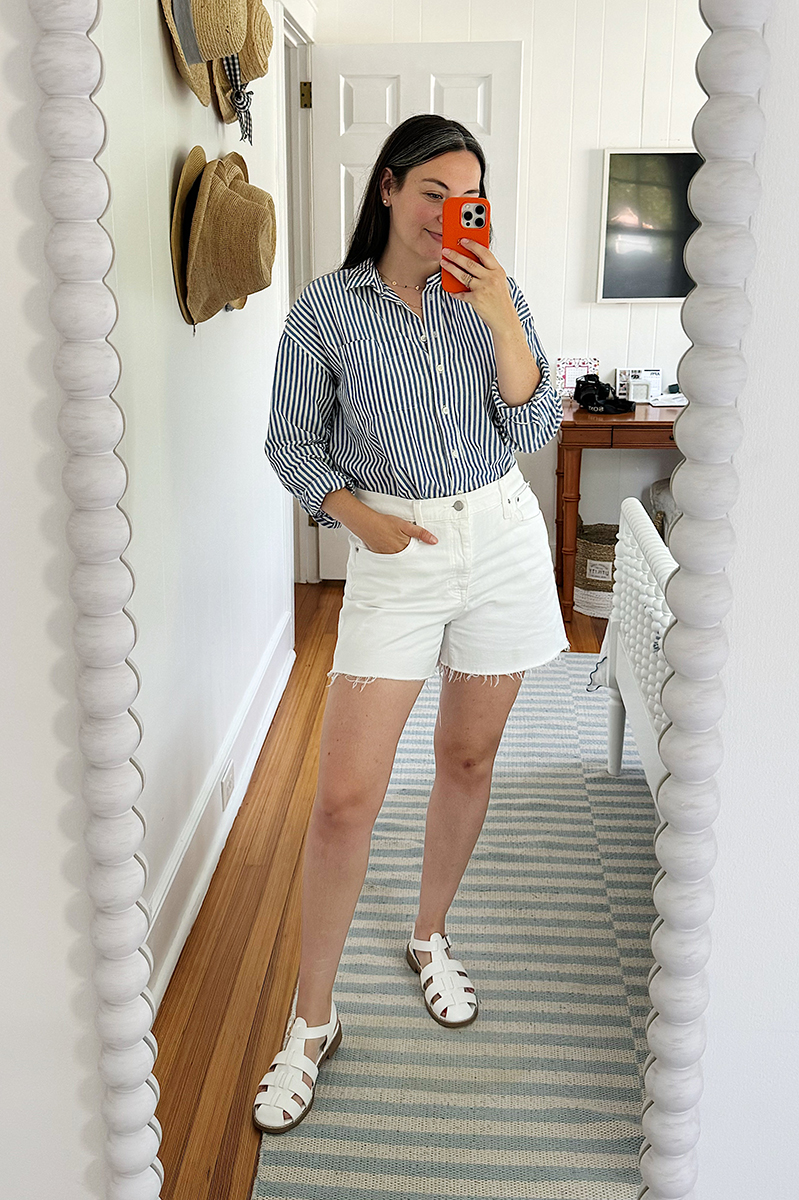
x=582 y=430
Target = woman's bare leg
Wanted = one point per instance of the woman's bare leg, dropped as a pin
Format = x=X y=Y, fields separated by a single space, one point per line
x=469 y=728
x=360 y=731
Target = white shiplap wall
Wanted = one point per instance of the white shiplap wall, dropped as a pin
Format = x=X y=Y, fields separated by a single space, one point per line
x=595 y=73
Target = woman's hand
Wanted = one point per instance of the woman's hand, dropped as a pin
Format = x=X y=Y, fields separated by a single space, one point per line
x=488 y=293
x=518 y=374
x=389 y=534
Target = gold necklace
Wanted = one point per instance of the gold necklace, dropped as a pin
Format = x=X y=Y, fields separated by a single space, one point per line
x=394 y=283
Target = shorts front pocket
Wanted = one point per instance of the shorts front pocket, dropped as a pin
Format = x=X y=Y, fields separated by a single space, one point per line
x=380 y=579
x=362 y=548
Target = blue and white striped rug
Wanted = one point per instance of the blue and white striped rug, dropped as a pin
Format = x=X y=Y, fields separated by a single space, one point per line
x=540 y=1097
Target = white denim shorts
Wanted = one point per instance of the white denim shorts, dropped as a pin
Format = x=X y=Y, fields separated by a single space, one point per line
x=480 y=601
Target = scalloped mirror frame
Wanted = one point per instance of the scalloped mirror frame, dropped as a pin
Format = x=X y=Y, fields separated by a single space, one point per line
x=724 y=194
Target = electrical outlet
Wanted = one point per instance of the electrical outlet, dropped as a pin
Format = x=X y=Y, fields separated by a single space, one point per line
x=228 y=780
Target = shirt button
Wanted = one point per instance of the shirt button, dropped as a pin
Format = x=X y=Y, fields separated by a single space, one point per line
x=455 y=454
x=440 y=368
x=445 y=411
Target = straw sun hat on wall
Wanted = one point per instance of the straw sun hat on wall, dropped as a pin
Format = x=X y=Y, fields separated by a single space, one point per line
x=223 y=44
x=223 y=236
x=203 y=30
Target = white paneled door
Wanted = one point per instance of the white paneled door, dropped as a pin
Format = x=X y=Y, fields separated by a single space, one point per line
x=361 y=93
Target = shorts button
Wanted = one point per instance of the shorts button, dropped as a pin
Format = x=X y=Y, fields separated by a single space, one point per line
x=458 y=504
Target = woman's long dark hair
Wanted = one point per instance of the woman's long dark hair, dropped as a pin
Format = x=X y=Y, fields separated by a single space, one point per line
x=415 y=141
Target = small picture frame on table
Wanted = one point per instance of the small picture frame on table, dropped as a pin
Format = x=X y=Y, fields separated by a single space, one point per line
x=569 y=370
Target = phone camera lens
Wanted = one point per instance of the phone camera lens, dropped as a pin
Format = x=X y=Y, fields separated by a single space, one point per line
x=479 y=221
x=467 y=216
x=480 y=208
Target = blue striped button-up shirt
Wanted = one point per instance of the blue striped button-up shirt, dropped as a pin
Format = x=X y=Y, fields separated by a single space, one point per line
x=365 y=394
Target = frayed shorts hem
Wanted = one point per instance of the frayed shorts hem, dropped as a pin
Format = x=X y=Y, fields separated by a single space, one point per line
x=449 y=673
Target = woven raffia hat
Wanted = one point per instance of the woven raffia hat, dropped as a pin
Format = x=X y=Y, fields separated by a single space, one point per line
x=182 y=213
x=253 y=58
x=230 y=247
x=203 y=30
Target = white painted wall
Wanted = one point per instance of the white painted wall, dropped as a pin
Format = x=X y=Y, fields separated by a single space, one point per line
x=212 y=545
x=594 y=74
x=750 y=1110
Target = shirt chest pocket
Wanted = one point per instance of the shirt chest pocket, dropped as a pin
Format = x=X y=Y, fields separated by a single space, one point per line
x=381 y=381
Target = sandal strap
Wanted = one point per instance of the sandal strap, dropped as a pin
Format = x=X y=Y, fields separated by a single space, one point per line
x=285 y=1083
x=285 y=1102
x=446 y=1003
x=315 y=1031
x=449 y=966
x=430 y=946
x=293 y=1057
x=435 y=978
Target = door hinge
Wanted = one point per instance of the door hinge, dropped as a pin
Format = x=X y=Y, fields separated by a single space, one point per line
x=305 y=94
x=313 y=523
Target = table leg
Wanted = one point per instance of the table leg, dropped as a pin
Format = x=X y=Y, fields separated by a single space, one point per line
x=559 y=517
x=572 y=460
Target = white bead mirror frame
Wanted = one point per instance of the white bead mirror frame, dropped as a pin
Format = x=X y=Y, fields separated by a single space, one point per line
x=723 y=194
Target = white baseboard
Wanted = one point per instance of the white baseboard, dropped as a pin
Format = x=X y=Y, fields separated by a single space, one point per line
x=178 y=897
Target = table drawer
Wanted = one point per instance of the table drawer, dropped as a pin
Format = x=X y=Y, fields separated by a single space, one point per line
x=642 y=438
x=584 y=436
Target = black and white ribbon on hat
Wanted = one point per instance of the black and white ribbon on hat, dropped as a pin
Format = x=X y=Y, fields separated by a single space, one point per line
x=240 y=99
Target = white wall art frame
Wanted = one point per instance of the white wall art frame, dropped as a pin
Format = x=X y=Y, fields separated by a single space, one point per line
x=731 y=67
x=720 y=254
x=68 y=68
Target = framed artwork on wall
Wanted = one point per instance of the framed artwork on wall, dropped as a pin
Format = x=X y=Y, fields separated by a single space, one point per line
x=646 y=221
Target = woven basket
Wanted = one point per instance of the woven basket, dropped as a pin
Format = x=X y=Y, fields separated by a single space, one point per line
x=593 y=568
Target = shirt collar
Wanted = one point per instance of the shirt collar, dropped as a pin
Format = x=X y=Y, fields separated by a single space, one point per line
x=366 y=274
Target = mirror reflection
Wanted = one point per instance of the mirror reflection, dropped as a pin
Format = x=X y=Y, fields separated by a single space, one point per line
x=400 y=748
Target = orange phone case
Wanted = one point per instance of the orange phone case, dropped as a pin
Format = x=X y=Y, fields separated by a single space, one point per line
x=455 y=207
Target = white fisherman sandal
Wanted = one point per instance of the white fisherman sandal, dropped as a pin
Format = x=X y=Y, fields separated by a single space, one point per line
x=444 y=982
x=284 y=1076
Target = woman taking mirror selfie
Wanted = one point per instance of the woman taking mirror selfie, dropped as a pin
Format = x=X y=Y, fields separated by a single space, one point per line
x=396 y=409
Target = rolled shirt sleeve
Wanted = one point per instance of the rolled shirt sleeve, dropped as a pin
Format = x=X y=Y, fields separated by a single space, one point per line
x=531 y=425
x=303 y=400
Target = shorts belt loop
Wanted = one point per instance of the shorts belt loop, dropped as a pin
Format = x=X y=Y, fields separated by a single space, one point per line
x=417 y=513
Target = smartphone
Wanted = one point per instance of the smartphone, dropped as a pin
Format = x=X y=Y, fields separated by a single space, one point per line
x=463 y=216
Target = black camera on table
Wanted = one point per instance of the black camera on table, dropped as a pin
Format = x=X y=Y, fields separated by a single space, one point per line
x=597 y=397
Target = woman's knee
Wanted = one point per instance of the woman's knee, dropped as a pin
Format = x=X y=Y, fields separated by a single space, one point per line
x=346 y=808
x=466 y=764
x=470 y=724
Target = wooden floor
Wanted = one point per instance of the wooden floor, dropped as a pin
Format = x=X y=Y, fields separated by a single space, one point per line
x=224 y=1013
